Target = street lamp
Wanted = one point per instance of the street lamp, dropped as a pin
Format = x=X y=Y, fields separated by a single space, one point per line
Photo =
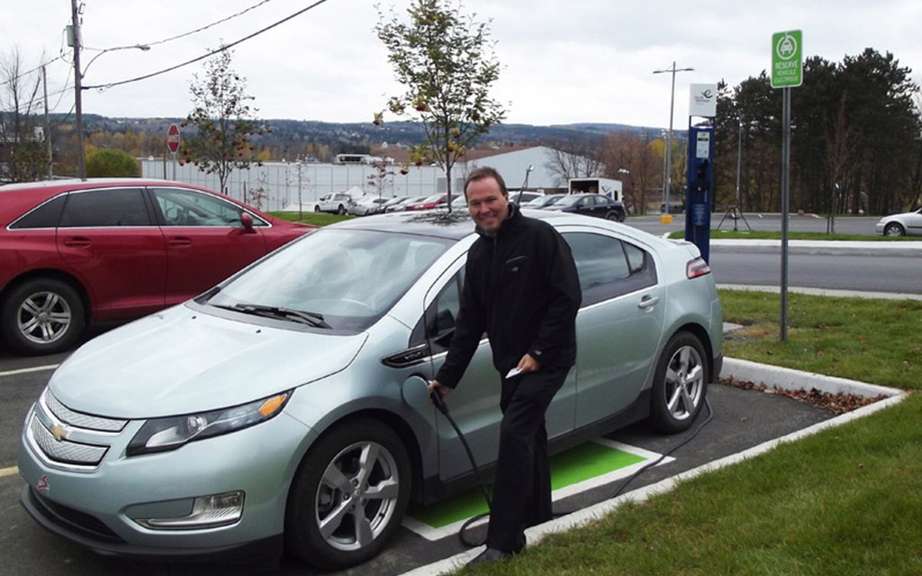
x=667 y=218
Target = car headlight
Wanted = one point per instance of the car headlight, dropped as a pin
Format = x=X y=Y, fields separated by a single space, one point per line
x=162 y=434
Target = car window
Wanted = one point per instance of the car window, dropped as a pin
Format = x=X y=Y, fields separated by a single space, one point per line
x=46 y=215
x=441 y=316
x=189 y=208
x=607 y=267
x=105 y=208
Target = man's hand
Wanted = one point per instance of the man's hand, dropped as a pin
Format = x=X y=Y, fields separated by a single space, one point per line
x=435 y=387
x=528 y=364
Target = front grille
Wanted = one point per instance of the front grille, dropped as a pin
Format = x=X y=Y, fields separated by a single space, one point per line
x=65 y=451
x=80 y=420
x=74 y=519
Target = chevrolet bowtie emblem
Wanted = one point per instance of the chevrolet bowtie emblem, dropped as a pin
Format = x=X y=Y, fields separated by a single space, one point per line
x=59 y=432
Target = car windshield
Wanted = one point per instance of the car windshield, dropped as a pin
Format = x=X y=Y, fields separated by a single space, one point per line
x=568 y=200
x=538 y=202
x=350 y=278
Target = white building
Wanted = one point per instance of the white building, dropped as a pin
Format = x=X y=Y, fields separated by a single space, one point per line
x=275 y=185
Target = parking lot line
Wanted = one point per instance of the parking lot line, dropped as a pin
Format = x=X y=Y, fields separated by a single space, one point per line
x=11 y=471
x=28 y=370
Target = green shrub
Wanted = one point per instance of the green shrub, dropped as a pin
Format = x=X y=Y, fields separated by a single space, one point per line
x=108 y=163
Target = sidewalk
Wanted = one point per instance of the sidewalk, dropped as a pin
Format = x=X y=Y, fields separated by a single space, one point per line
x=843 y=247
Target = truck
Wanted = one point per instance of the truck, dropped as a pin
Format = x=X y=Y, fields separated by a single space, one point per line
x=605 y=186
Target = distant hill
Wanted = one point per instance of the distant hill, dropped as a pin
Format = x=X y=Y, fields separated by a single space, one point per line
x=365 y=133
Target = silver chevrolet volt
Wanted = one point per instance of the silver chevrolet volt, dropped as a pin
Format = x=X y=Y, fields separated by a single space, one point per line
x=287 y=406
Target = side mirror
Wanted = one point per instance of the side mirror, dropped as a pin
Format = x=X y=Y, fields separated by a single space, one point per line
x=247 y=221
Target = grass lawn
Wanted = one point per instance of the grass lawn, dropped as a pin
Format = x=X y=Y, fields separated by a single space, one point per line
x=315 y=218
x=766 y=235
x=847 y=501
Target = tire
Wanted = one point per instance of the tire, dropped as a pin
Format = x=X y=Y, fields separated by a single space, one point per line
x=612 y=215
x=621 y=216
x=894 y=229
x=55 y=310
x=341 y=210
x=673 y=411
x=313 y=498
x=317 y=208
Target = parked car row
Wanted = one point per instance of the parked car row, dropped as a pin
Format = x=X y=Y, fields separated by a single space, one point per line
x=74 y=253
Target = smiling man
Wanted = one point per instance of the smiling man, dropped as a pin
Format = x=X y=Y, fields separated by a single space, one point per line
x=522 y=289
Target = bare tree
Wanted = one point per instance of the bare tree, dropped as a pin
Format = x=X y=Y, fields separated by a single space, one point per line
x=23 y=155
x=575 y=158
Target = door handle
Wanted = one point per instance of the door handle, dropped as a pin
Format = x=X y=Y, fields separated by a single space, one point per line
x=78 y=242
x=180 y=241
x=648 y=302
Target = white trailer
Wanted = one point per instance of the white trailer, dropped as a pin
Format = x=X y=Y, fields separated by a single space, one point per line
x=605 y=186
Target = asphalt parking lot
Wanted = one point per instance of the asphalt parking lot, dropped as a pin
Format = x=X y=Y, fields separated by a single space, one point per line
x=742 y=419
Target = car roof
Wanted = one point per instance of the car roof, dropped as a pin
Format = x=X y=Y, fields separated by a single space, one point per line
x=440 y=223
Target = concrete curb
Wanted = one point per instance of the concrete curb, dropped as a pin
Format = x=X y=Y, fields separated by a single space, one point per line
x=788 y=379
x=817 y=247
x=823 y=292
x=762 y=373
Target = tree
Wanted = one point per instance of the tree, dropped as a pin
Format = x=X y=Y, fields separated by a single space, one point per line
x=110 y=163
x=446 y=63
x=222 y=121
x=575 y=158
x=382 y=174
x=25 y=156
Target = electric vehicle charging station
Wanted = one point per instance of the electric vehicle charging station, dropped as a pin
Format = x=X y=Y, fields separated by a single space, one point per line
x=699 y=192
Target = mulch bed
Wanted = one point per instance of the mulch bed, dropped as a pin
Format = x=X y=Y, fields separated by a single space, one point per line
x=835 y=403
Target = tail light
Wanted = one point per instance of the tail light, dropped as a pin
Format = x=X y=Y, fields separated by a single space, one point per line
x=697 y=267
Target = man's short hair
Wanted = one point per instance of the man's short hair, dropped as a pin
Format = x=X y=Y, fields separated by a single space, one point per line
x=482 y=174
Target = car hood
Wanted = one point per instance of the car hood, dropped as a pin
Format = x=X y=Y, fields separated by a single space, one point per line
x=181 y=361
x=902 y=215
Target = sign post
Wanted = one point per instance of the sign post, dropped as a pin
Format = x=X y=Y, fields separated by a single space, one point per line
x=787 y=73
x=173 y=140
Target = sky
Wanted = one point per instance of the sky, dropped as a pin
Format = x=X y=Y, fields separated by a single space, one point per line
x=564 y=61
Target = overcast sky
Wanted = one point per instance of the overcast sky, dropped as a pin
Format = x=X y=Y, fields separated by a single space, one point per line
x=564 y=60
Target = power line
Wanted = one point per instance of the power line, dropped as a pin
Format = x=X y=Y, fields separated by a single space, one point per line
x=32 y=70
x=189 y=33
x=207 y=54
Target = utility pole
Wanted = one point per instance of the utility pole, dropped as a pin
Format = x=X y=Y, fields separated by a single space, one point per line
x=47 y=124
x=667 y=168
x=78 y=88
x=739 y=169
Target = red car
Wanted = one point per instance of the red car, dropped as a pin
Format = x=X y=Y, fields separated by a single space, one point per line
x=98 y=251
x=434 y=201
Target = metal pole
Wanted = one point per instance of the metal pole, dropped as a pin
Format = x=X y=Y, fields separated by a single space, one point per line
x=739 y=164
x=668 y=181
x=300 y=207
x=785 y=208
x=78 y=89
x=47 y=124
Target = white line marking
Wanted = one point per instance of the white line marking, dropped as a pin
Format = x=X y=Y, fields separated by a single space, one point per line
x=28 y=370
x=582 y=517
x=432 y=534
x=11 y=471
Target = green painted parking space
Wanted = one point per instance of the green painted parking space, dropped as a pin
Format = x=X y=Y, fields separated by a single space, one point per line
x=572 y=471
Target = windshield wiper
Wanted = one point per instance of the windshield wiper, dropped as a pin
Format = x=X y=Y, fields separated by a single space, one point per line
x=310 y=318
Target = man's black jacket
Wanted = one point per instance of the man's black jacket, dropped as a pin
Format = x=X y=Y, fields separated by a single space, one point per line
x=522 y=289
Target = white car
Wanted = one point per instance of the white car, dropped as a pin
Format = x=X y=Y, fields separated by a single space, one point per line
x=335 y=203
x=905 y=224
x=367 y=206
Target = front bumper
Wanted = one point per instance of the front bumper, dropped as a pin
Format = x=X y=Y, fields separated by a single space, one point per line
x=879 y=227
x=96 y=507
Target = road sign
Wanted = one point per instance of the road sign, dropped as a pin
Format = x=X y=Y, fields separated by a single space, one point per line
x=173 y=138
x=702 y=100
x=787 y=59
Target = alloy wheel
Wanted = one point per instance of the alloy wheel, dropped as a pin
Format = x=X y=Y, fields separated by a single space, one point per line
x=357 y=496
x=44 y=317
x=684 y=382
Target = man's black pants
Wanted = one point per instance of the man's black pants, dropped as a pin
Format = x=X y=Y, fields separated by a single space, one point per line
x=522 y=489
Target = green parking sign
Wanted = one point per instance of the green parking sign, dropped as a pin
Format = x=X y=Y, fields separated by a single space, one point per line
x=787 y=59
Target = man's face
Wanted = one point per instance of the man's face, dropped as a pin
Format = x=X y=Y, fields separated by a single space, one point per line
x=487 y=204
